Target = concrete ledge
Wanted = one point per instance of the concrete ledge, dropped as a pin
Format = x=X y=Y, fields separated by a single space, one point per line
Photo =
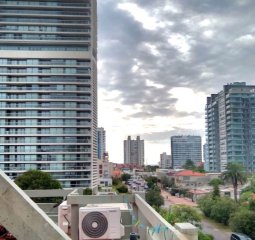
x=188 y=229
x=22 y=217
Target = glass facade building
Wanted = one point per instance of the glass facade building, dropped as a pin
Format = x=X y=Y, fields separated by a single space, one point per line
x=101 y=144
x=230 y=127
x=184 y=148
x=48 y=89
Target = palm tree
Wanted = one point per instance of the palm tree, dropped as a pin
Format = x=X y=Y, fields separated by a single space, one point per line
x=236 y=174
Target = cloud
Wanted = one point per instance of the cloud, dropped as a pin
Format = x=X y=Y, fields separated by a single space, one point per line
x=148 y=48
x=166 y=135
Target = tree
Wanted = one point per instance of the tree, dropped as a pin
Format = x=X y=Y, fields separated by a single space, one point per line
x=243 y=221
x=245 y=197
x=200 y=169
x=205 y=204
x=252 y=204
x=125 y=177
x=216 y=190
x=189 y=165
x=36 y=179
x=204 y=236
x=251 y=185
x=222 y=208
x=115 y=181
x=153 y=197
x=150 y=168
x=151 y=181
x=184 y=213
x=234 y=173
x=181 y=213
x=122 y=189
x=166 y=182
x=87 y=191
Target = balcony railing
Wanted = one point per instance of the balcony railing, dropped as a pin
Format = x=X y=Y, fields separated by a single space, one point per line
x=37 y=225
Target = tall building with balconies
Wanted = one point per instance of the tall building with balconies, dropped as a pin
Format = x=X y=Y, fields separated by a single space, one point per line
x=186 y=148
x=48 y=89
x=230 y=127
x=134 y=151
x=101 y=144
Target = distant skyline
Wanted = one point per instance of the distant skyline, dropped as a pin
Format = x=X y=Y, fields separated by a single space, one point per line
x=159 y=60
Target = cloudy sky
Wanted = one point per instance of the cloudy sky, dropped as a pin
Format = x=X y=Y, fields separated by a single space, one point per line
x=160 y=59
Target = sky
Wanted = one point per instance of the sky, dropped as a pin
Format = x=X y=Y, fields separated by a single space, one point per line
x=158 y=60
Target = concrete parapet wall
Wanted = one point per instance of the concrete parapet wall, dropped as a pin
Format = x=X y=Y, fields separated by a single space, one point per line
x=140 y=209
x=22 y=217
x=154 y=219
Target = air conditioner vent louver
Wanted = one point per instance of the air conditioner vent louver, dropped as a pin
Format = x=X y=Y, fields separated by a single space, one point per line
x=94 y=224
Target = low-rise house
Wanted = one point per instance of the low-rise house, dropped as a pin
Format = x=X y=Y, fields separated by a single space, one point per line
x=195 y=194
x=190 y=179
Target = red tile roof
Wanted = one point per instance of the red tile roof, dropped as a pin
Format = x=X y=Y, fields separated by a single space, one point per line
x=116 y=173
x=189 y=173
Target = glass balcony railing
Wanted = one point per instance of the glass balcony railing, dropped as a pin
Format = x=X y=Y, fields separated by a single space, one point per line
x=44 y=20
x=52 y=168
x=53 y=88
x=45 y=141
x=41 y=80
x=38 y=115
x=45 y=12
x=44 y=97
x=48 y=149
x=43 y=124
x=46 y=3
x=43 y=29
x=46 y=38
x=43 y=133
x=45 y=70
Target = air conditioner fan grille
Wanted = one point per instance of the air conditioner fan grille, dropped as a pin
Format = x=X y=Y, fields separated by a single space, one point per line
x=94 y=224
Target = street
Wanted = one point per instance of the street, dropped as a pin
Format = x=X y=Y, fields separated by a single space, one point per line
x=172 y=200
x=217 y=230
x=210 y=227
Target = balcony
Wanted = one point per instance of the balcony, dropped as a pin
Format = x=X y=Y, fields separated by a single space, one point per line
x=28 y=221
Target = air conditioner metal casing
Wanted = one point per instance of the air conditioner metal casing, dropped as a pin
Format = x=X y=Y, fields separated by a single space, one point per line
x=100 y=223
x=64 y=217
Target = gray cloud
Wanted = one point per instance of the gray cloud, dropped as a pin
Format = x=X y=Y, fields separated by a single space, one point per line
x=208 y=64
x=161 y=136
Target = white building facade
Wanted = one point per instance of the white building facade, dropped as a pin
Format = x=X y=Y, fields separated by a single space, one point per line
x=134 y=151
x=48 y=90
x=165 y=161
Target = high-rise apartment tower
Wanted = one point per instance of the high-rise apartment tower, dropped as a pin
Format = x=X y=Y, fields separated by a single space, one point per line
x=184 y=148
x=101 y=144
x=48 y=90
x=134 y=151
x=230 y=127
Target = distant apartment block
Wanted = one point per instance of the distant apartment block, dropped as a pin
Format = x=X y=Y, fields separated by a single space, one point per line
x=185 y=148
x=134 y=151
x=101 y=143
x=48 y=90
x=165 y=161
x=230 y=127
x=206 y=156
